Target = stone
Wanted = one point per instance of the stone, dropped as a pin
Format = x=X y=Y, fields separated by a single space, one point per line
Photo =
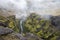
x=4 y=31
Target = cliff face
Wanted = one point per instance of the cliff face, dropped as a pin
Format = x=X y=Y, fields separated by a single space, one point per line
x=34 y=28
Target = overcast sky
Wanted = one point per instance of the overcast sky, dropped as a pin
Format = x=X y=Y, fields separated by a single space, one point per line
x=43 y=7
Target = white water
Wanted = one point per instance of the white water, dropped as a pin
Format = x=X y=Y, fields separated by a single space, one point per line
x=21 y=26
x=21 y=23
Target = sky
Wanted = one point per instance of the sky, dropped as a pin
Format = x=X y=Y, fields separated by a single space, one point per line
x=45 y=6
x=42 y=7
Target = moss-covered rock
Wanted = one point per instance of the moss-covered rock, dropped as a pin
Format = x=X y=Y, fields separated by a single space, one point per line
x=30 y=36
x=9 y=37
x=8 y=34
x=3 y=21
x=37 y=25
x=10 y=22
x=13 y=23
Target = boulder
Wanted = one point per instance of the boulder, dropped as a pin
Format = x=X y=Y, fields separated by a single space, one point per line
x=8 y=34
x=4 y=31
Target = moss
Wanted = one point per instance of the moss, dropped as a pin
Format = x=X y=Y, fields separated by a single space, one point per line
x=3 y=19
x=13 y=23
x=10 y=22
x=36 y=25
x=9 y=37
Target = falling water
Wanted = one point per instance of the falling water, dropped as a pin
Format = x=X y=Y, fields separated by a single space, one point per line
x=21 y=23
x=21 y=26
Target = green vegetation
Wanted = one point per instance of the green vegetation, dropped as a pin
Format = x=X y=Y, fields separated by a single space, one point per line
x=43 y=28
x=9 y=22
x=12 y=23
x=33 y=24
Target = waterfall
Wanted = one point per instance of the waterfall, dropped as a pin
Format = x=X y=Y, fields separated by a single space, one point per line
x=19 y=7
x=21 y=26
x=21 y=23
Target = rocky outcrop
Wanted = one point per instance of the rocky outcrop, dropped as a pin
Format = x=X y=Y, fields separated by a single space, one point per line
x=10 y=22
x=41 y=27
x=30 y=36
x=35 y=28
x=7 y=34
x=4 y=31
x=55 y=20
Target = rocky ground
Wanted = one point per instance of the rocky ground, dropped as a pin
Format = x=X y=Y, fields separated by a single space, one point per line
x=36 y=32
x=9 y=34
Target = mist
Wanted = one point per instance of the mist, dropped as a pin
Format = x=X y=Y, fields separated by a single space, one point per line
x=21 y=8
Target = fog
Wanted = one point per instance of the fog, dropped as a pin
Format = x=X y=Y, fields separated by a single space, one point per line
x=22 y=8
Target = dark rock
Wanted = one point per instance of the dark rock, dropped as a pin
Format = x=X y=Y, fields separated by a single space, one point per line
x=8 y=34
x=55 y=20
x=4 y=31
x=30 y=36
x=11 y=36
x=3 y=24
x=1 y=38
